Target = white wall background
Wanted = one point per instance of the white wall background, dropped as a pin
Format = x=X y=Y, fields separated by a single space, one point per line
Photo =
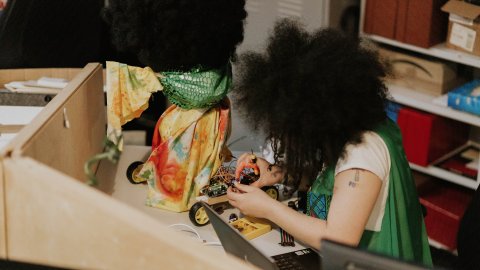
x=262 y=15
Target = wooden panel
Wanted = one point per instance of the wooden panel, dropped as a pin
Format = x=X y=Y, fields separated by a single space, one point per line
x=41 y=119
x=26 y=134
x=10 y=128
x=3 y=239
x=54 y=220
x=50 y=140
x=8 y=75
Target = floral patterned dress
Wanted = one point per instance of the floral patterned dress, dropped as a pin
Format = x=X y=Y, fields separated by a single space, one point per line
x=189 y=140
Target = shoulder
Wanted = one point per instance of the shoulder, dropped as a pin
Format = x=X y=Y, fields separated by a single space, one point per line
x=371 y=154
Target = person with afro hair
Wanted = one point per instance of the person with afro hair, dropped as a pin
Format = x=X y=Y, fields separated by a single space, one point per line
x=187 y=47
x=320 y=99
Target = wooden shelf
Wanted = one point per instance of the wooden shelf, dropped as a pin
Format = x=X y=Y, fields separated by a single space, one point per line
x=439 y=51
x=439 y=245
x=446 y=175
x=424 y=102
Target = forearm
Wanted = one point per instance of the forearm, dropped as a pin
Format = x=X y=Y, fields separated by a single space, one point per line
x=306 y=229
x=349 y=211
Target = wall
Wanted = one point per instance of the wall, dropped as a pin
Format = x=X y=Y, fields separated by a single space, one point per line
x=260 y=21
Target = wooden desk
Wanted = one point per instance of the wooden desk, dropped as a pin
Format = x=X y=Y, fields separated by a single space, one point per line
x=134 y=195
x=49 y=216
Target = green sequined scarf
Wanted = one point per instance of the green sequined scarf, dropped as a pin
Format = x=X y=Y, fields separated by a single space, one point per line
x=197 y=88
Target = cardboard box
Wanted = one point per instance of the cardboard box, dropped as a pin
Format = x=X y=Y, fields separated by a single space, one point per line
x=463 y=26
x=445 y=204
x=431 y=76
x=428 y=137
x=417 y=22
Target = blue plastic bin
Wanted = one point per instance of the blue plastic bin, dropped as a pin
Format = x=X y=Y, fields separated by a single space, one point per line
x=465 y=99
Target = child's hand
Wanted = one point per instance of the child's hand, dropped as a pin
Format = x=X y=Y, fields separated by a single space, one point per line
x=269 y=175
x=251 y=201
x=246 y=161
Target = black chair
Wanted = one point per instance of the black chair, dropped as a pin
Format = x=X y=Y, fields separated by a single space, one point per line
x=468 y=237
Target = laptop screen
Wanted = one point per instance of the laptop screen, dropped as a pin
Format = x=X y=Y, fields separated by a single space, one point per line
x=234 y=243
x=338 y=256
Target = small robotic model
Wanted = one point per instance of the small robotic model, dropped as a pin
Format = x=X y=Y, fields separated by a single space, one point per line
x=214 y=193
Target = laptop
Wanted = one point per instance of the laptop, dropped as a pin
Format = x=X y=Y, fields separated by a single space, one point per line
x=336 y=256
x=234 y=243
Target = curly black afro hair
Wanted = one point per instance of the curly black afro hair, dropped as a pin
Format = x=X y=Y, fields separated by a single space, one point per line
x=178 y=34
x=311 y=93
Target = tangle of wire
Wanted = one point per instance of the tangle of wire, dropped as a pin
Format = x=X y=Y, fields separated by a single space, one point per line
x=190 y=229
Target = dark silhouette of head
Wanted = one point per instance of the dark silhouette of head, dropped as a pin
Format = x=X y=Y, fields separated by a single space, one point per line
x=311 y=93
x=178 y=34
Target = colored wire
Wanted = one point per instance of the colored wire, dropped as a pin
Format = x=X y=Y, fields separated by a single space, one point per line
x=192 y=230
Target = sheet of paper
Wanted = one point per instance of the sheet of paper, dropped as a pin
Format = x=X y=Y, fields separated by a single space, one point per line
x=15 y=115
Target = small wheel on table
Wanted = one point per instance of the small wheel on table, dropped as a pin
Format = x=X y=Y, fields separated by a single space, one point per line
x=197 y=215
x=272 y=191
x=132 y=172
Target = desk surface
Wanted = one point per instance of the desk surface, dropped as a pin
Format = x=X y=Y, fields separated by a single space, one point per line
x=15 y=115
x=18 y=115
x=134 y=195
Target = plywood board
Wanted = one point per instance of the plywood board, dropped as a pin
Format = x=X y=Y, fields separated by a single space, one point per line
x=54 y=220
x=70 y=129
x=10 y=128
x=9 y=75
x=3 y=239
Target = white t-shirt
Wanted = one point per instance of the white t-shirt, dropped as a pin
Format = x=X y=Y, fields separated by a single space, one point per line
x=371 y=155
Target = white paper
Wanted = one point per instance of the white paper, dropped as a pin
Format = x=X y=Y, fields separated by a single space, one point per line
x=462 y=37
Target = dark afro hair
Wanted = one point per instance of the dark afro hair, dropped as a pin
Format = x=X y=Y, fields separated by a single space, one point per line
x=178 y=34
x=311 y=93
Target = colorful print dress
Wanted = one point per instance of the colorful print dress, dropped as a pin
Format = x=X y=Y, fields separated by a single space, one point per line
x=402 y=234
x=190 y=137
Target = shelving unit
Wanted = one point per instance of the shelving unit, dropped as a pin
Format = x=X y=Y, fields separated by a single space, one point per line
x=438 y=245
x=434 y=105
x=438 y=51
x=425 y=102
x=446 y=175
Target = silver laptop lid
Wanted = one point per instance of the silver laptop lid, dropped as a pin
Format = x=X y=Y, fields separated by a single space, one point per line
x=234 y=243
x=336 y=256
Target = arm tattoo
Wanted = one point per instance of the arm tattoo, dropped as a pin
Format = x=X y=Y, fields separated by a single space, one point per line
x=356 y=179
